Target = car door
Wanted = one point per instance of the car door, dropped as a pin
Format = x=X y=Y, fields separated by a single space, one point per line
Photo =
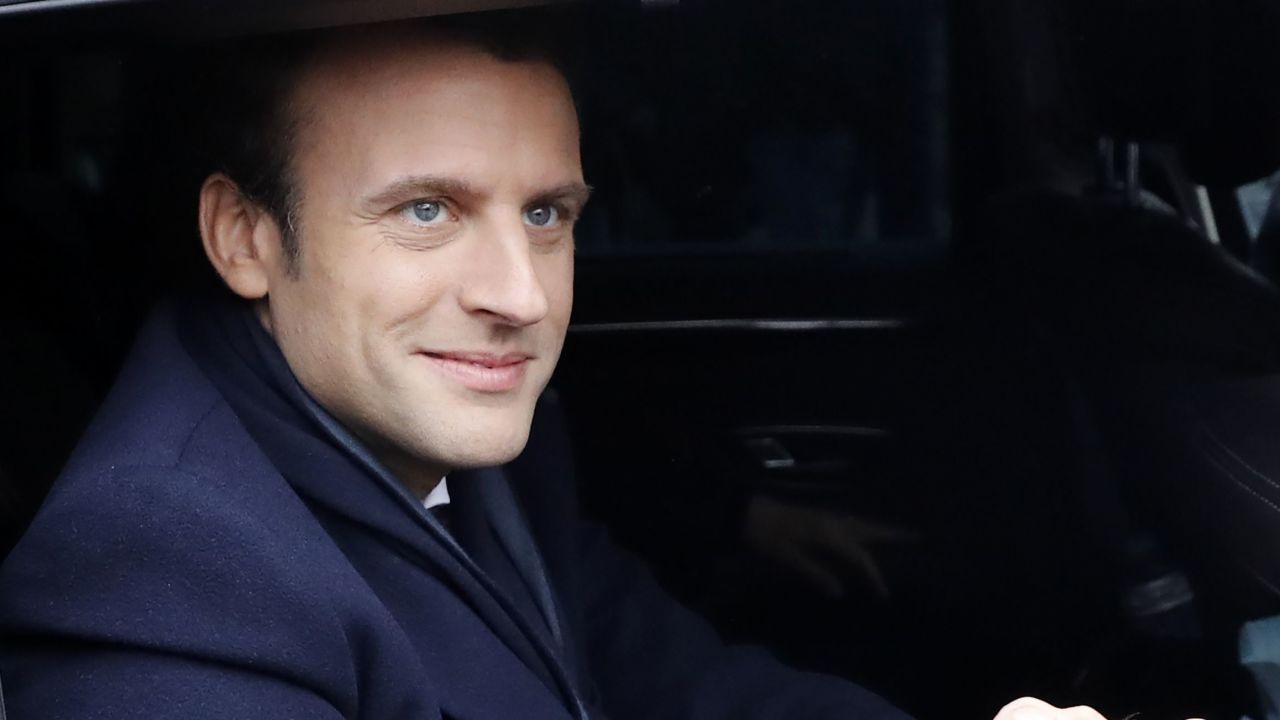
x=767 y=306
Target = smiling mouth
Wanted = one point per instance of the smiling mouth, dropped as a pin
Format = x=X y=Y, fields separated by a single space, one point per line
x=482 y=372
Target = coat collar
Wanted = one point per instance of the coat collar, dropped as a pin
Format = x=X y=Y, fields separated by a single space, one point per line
x=499 y=575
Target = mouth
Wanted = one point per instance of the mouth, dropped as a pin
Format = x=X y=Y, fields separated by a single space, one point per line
x=482 y=372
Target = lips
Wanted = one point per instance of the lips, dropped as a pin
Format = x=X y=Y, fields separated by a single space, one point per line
x=482 y=372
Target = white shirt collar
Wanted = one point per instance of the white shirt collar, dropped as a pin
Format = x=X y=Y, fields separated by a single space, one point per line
x=439 y=495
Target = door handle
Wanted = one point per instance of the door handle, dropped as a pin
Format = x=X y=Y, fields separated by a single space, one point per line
x=767 y=446
x=770 y=453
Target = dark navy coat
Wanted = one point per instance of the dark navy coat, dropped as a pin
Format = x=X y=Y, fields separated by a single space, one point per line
x=218 y=548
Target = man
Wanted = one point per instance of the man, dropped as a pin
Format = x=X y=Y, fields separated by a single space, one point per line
x=253 y=525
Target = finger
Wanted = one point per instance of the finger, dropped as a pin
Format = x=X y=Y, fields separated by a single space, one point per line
x=1080 y=712
x=1032 y=709
x=1026 y=708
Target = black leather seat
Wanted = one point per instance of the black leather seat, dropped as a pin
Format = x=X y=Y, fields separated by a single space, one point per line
x=1173 y=341
x=1177 y=348
x=1147 y=320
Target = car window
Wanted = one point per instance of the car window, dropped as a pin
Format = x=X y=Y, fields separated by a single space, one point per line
x=771 y=128
x=1255 y=198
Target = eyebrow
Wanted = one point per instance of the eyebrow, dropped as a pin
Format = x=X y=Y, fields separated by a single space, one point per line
x=411 y=187
x=575 y=193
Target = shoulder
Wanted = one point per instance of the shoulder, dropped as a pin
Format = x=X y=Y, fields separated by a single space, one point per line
x=165 y=418
x=167 y=498
x=157 y=558
x=165 y=463
x=158 y=401
x=169 y=530
x=146 y=540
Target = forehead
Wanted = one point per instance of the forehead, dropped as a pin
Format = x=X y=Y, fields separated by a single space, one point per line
x=394 y=100
x=368 y=53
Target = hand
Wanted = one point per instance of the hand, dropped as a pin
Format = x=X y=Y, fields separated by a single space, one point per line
x=821 y=545
x=1033 y=709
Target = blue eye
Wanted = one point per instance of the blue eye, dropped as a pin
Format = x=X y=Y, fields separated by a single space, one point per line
x=424 y=212
x=542 y=216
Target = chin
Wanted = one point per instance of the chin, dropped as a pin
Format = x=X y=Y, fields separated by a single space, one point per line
x=470 y=461
x=487 y=450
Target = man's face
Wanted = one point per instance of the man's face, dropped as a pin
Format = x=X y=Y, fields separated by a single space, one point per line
x=439 y=186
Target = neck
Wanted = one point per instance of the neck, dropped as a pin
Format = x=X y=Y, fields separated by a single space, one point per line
x=416 y=476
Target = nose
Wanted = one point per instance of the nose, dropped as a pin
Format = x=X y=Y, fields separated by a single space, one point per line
x=502 y=279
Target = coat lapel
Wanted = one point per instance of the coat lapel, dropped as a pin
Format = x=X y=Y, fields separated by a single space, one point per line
x=497 y=537
x=327 y=467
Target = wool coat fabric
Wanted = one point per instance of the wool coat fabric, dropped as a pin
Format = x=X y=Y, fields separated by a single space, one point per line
x=220 y=547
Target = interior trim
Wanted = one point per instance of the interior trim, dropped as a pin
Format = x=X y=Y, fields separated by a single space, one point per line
x=785 y=430
x=195 y=18
x=15 y=7
x=757 y=325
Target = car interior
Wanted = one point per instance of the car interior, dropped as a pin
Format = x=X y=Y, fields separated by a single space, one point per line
x=1003 y=273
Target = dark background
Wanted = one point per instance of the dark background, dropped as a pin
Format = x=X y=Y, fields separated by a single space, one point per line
x=972 y=327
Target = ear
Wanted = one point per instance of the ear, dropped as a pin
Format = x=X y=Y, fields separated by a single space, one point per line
x=240 y=238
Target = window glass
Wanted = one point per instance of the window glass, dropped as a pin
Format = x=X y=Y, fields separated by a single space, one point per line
x=1254 y=199
x=760 y=125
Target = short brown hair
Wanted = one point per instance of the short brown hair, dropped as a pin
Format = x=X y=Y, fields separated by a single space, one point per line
x=251 y=129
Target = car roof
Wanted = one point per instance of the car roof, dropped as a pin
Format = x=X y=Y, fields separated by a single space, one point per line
x=27 y=22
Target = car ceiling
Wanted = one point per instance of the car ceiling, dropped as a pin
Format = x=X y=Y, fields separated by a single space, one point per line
x=31 y=22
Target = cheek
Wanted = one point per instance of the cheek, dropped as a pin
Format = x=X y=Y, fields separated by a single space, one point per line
x=556 y=276
x=397 y=291
x=325 y=315
x=309 y=324
x=377 y=285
